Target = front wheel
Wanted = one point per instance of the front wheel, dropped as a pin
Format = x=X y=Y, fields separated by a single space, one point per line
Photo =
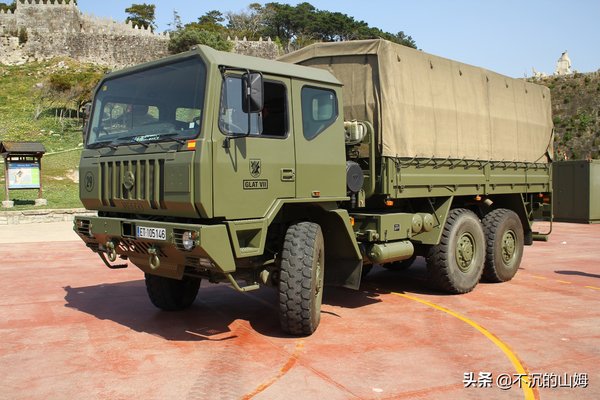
x=172 y=294
x=301 y=279
x=456 y=263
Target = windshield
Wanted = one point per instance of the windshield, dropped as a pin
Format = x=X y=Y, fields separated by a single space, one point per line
x=160 y=103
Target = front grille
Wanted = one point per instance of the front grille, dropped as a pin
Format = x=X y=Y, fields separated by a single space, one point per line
x=148 y=183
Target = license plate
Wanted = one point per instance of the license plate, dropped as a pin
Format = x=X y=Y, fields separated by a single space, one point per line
x=151 y=233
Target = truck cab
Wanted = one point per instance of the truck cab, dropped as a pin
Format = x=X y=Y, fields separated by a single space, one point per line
x=197 y=163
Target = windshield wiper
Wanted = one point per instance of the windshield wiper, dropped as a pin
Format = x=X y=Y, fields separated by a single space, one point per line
x=107 y=143
x=133 y=141
x=158 y=138
x=168 y=135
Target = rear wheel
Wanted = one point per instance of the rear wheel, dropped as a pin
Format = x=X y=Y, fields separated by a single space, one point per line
x=172 y=294
x=301 y=279
x=504 y=239
x=456 y=263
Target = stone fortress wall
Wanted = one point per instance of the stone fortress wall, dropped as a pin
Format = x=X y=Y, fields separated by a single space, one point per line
x=56 y=28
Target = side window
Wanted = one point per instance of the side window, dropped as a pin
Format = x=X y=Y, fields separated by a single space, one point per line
x=274 y=115
x=319 y=110
x=232 y=119
x=272 y=121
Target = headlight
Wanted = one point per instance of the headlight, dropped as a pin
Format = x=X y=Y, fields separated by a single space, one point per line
x=188 y=240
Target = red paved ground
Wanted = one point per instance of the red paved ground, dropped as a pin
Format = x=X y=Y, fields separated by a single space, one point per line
x=71 y=328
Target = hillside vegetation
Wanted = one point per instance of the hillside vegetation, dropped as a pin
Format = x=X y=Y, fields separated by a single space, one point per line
x=576 y=115
x=39 y=102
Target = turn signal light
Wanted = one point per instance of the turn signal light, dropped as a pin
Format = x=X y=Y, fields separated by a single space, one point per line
x=191 y=145
x=389 y=203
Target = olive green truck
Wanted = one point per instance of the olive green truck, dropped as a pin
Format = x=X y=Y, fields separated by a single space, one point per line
x=308 y=171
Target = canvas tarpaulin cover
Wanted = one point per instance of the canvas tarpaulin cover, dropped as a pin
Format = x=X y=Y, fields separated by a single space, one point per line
x=427 y=106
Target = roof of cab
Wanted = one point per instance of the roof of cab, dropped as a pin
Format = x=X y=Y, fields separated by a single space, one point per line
x=247 y=62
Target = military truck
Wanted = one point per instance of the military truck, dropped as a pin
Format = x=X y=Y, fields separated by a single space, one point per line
x=308 y=171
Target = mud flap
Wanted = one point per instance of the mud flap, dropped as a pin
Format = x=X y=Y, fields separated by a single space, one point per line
x=343 y=259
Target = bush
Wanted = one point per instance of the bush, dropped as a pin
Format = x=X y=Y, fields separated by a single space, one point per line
x=23 y=36
x=186 y=38
x=61 y=82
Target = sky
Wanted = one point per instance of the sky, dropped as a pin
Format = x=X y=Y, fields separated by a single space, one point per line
x=507 y=36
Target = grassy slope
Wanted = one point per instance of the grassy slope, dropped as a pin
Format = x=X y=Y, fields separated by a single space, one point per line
x=18 y=98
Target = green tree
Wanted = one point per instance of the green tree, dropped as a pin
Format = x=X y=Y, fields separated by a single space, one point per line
x=299 y=25
x=277 y=21
x=211 y=22
x=191 y=35
x=213 y=17
x=8 y=6
x=291 y=26
x=142 y=15
x=208 y=31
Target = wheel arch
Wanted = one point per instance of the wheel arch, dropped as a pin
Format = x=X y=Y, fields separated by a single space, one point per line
x=343 y=258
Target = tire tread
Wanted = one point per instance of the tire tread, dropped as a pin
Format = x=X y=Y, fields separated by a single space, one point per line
x=295 y=280
x=438 y=268
x=491 y=223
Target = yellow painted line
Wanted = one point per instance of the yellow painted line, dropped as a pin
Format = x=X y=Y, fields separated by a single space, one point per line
x=592 y=287
x=539 y=277
x=527 y=391
x=558 y=280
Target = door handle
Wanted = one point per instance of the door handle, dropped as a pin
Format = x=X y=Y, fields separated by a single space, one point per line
x=288 y=174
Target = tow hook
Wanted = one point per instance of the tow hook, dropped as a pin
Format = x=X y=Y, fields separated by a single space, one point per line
x=153 y=260
x=111 y=252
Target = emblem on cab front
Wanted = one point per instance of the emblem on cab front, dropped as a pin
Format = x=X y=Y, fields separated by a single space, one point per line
x=255 y=167
x=128 y=180
x=89 y=181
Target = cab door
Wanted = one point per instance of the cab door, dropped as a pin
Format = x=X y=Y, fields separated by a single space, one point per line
x=319 y=141
x=252 y=172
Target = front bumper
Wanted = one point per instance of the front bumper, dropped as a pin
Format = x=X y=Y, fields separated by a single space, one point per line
x=212 y=250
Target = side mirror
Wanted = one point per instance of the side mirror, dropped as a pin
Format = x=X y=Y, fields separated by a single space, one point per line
x=86 y=108
x=252 y=92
